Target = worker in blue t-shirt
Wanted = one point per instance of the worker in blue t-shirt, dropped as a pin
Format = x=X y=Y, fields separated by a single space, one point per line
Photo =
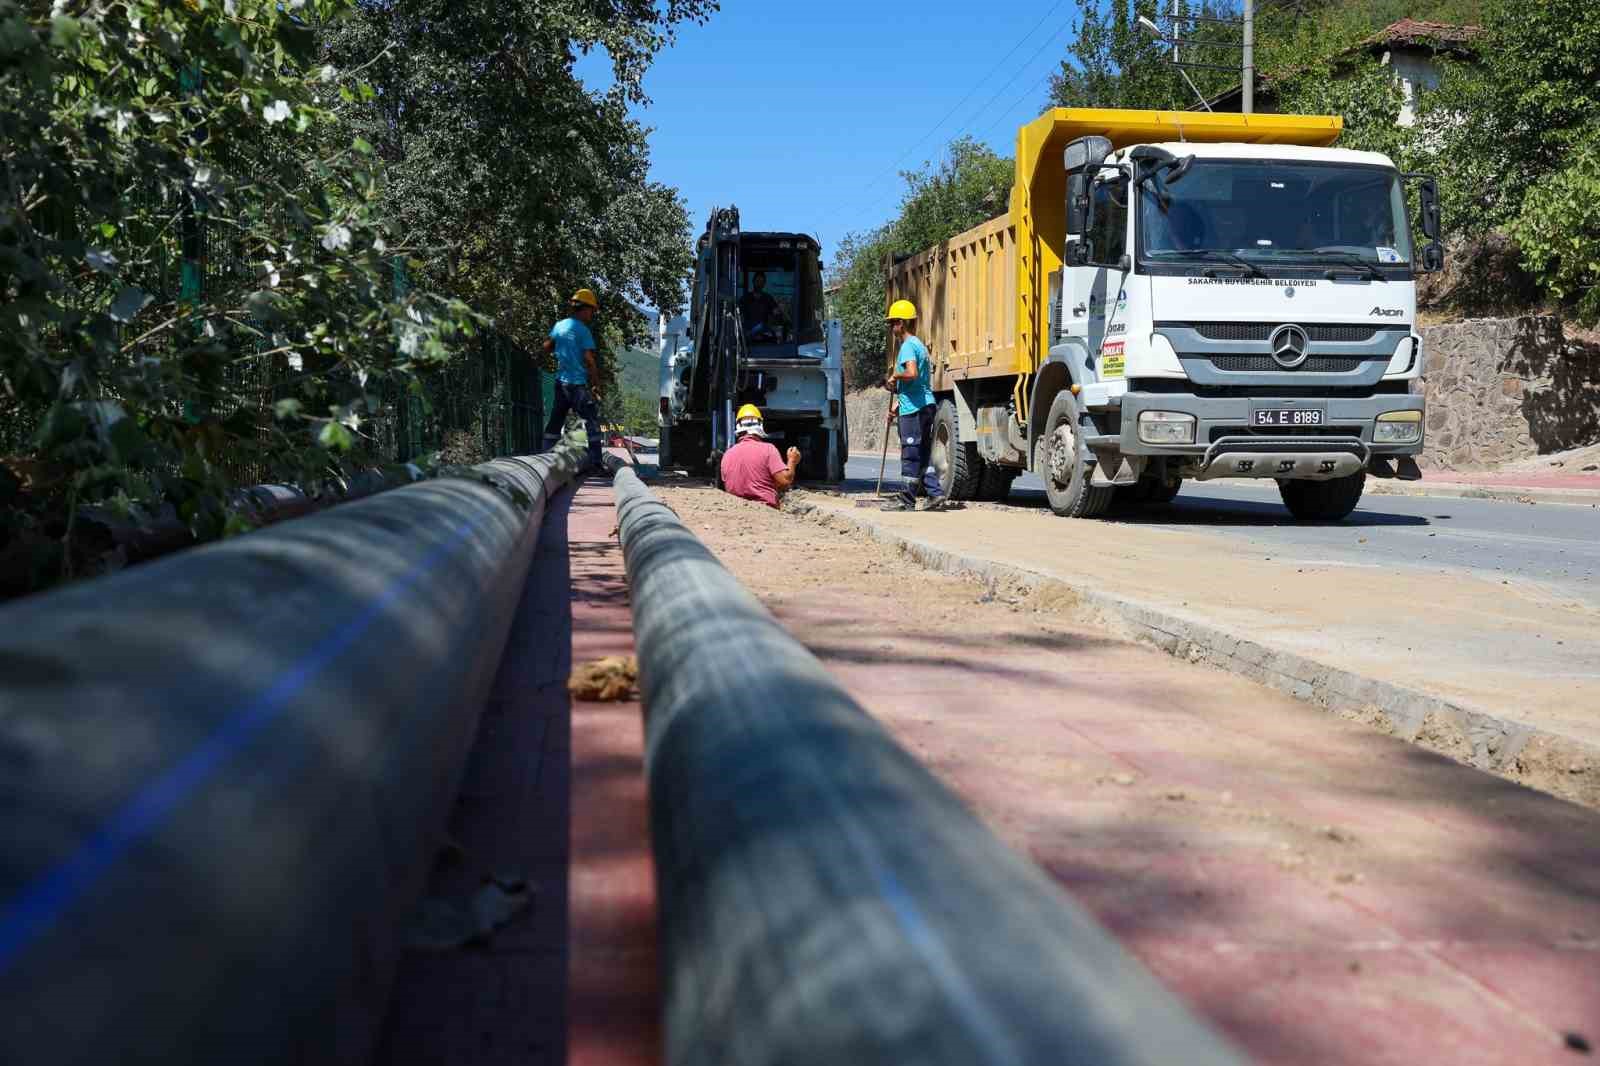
x=577 y=375
x=912 y=379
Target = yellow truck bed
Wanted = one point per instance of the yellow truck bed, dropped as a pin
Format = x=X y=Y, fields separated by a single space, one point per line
x=982 y=294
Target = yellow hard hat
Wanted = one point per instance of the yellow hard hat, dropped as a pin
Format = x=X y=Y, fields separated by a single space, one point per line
x=749 y=410
x=904 y=310
x=586 y=297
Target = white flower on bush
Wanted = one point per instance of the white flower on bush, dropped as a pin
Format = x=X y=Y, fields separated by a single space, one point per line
x=337 y=239
x=277 y=111
x=269 y=273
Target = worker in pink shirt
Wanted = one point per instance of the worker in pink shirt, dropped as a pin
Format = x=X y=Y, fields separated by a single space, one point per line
x=752 y=468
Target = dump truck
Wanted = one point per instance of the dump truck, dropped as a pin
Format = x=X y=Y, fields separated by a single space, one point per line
x=755 y=333
x=1179 y=295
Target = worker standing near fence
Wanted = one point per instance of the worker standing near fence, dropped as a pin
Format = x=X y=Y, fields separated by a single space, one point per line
x=577 y=374
x=912 y=380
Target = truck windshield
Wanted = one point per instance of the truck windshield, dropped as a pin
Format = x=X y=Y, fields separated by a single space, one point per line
x=1268 y=210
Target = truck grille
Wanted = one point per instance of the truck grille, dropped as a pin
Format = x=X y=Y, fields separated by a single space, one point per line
x=1331 y=333
x=1265 y=364
x=1218 y=432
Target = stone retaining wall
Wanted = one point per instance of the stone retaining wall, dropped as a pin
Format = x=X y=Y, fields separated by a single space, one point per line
x=1502 y=389
x=867 y=411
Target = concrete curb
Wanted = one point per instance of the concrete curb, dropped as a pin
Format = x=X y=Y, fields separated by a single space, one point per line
x=1475 y=737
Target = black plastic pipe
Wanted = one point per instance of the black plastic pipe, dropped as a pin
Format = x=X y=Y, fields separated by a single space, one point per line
x=825 y=899
x=223 y=775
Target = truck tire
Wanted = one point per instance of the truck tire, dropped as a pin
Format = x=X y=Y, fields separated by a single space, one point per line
x=962 y=467
x=841 y=451
x=1062 y=467
x=1323 y=501
x=995 y=482
x=1146 y=491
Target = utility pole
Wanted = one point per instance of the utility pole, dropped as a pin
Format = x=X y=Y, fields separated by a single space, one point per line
x=1249 y=83
x=1175 y=33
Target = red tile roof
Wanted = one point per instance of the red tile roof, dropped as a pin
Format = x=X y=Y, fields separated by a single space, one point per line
x=1416 y=33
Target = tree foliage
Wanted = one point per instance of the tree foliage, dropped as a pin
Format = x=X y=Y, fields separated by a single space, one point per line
x=139 y=138
x=1113 y=62
x=234 y=233
x=970 y=185
x=522 y=183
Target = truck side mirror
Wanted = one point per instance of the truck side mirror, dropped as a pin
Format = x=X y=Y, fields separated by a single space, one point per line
x=1430 y=209
x=1428 y=199
x=1432 y=257
x=1077 y=204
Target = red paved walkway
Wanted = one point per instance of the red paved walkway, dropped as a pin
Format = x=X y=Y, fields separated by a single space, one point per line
x=1322 y=893
x=554 y=792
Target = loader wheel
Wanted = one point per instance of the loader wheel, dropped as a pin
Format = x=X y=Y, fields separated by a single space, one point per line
x=1323 y=501
x=958 y=464
x=1062 y=466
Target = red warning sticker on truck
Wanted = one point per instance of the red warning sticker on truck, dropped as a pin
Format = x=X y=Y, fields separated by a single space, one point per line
x=1111 y=359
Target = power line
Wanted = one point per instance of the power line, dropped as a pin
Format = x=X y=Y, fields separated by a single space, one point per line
x=895 y=168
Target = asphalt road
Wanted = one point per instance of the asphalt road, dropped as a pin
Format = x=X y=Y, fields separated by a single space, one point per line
x=1554 y=545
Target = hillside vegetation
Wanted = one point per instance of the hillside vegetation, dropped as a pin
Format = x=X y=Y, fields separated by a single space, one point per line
x=1514 y=139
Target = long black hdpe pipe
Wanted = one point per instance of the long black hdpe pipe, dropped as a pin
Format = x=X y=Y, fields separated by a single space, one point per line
x=223 y=774
x=823 y=898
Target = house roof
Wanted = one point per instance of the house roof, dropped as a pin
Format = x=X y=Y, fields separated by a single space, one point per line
x=1415 y=33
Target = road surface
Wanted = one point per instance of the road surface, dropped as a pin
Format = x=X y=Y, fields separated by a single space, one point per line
x=1554 y=545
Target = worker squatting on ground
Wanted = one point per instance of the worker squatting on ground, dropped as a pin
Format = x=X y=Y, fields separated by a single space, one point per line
x=751 y=469
x=577 y=374
x=911 y=379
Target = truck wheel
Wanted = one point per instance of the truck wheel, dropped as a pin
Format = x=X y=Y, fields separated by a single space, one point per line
x=841 y=451
x=995 y=482
x=1062 y=467
x=958 y=464
x=1323 y=501
x=1146 y=491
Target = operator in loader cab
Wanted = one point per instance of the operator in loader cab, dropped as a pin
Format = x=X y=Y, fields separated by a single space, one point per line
x=759 y=311
x=912 y=379
x=577 y=375
x=751 y=469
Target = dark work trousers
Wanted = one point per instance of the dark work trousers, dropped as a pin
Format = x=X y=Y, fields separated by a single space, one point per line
x=916 y=456
x=575 y=398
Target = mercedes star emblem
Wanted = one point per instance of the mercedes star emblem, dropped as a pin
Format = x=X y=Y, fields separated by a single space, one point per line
x=1289 y=346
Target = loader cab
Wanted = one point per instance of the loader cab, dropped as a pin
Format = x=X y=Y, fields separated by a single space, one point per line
x=778 y=292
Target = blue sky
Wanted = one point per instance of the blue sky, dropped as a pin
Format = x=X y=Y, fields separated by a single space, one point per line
x=802 y=114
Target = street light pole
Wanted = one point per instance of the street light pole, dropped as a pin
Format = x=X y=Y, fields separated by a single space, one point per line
x=1249 y=83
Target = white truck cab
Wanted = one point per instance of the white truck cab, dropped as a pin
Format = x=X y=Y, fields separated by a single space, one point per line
x=1238 y=310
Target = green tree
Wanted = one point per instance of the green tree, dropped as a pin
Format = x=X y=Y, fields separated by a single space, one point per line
x=969 y=185
x=1113 y=62
x=1514 y=138
x=522 y=183
x=181 y=221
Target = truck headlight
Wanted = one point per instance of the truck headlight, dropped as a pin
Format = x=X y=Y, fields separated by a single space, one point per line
x=1398 y=427
x=1166 y=427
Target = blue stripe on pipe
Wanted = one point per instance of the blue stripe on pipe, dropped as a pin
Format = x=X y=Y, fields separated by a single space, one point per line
x=35 y=910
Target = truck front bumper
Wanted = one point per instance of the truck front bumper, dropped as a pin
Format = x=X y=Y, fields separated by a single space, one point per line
x=1227 y=443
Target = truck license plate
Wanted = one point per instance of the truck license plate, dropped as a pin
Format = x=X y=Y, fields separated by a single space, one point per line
x=1286 y=416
